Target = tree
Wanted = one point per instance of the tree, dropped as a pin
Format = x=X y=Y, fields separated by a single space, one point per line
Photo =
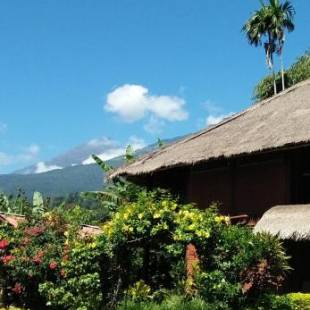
x=268 y=24
x=281 y=19
x=299 y=71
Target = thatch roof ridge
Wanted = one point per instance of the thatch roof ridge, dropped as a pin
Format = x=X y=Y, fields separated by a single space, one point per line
x=286 y=222
x=146 y=164
x=12 y=218
x=89 y=231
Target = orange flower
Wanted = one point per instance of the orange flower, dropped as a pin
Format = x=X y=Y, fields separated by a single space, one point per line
x=7 y=258
x=53 y=265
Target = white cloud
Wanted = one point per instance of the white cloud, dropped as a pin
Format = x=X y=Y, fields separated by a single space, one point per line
x=215 y=119
x=111 y=153
x=5 y=159
x=154 y=125
x=27 y=154
x=168 y=108
x=104 y=141
x=32 y=150
x=212 y=108
x=215 y=113
x=3 y=127
x=135 y=142
x=133 y=102
x=41 y=167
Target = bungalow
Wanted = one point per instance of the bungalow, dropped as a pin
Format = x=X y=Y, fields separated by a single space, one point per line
x=249 y=163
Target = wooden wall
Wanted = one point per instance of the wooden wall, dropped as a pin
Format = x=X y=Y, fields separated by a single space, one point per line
x=241 y=188
x=243 y=185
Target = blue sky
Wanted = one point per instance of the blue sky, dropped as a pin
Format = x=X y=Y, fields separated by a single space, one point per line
x=66 y=67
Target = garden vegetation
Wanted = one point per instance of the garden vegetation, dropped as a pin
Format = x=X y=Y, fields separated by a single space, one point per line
x=138 y=261
x=298 y=72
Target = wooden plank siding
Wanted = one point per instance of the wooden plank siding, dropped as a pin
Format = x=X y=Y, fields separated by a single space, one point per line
x=242 y=185
x=250 y=188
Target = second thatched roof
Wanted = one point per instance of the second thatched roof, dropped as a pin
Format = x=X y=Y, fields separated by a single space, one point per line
x=12 y=219
x=281 y=121
x=286 y=222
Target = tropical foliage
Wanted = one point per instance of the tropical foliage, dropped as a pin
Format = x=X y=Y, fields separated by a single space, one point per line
x=138 y=259
x=298 y=72
x=267 y=27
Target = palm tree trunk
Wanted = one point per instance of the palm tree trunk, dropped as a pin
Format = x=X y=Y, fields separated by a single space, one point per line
x=274 y=82
x=269 y=58
x=282 y=71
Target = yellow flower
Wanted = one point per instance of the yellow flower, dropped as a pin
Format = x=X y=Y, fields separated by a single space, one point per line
x=174 y=206
x=191 y=227
x=156 y=215
x=127 y=228
x=164 y=203
x=93 y=245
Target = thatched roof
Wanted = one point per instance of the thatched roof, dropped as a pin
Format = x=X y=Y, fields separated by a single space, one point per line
x=281 y=121
x=288 y=222
x=12 y=219
x=89 y=231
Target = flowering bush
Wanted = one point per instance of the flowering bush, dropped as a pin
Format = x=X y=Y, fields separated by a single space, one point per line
x=139 y=256
x=242 y=267
x=29 y=255
x=80 y=284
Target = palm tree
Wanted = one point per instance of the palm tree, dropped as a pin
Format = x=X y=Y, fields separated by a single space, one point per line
x=256 y=29
x=270 y=23
x=281 y=19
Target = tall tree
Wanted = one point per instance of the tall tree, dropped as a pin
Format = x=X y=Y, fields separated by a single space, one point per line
x=281 y=19
x=268 y=24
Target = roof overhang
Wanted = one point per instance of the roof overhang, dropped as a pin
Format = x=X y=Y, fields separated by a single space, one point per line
x=286 y=222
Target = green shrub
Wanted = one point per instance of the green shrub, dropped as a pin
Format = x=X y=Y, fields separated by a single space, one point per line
x=79 y=287
x=139 y=258
x=241 y=267
x=301 y=301
x=298 y=72
x=172 y=302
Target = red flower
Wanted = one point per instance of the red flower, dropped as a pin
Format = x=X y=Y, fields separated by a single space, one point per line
x=34 y=231
x=7 y=258
x=37 y=259
x=4 y=244
x=53 y=265
x=18 y=288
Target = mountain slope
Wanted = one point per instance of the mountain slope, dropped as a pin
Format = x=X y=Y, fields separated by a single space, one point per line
x=67 y=180
x=54 y=183
x=78 y=155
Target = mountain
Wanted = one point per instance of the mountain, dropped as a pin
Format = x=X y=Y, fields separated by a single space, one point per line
x=75 y=174
x=56 y=183
x=81 y=155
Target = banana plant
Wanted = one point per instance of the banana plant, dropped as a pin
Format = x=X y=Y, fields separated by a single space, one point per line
x=160 y=143
x=38 y=203
x=129 y=154
x=4 y=203
x=115 y=192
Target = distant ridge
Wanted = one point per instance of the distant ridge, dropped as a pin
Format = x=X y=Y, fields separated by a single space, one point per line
x=70 y=179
